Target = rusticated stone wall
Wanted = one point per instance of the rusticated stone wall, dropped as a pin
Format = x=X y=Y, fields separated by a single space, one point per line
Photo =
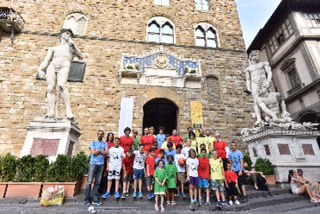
x=116 y=27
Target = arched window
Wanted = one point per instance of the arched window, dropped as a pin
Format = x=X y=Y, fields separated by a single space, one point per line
x=161 y=30
x=206 y=36
x=77 y=22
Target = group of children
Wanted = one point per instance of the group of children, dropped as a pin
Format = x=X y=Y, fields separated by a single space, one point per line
x=166 y=172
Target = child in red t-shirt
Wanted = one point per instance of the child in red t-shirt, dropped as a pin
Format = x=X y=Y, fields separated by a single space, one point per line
x=204 y=175
x=232 y=185
x=150 y=169
x=128 y=172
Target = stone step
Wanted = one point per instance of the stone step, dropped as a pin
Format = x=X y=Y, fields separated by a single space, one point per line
x=253 y=204
x=268 y=202
x=251 y=194
x=287 y=207
x=257 y=200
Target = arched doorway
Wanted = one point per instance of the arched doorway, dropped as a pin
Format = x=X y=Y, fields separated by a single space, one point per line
x=161 y=112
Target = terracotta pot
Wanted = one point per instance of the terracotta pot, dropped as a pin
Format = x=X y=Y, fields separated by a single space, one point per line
x=3 y=189
x=271 y=179
x=24 y=190
x=71 y=189
x=84 y=181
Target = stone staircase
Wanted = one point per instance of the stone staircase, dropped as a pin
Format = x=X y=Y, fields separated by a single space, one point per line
x=280 y=201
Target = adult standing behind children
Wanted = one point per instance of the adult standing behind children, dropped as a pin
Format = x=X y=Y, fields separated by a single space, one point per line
x=127 y=142
x=210 y=141
x=176 y=139
x=99 y=149
x=165 y=144
x=147 y=140
x=222 y=149
x=236 y=156
x=136 y=139
x=201 y=139
x=160 y=137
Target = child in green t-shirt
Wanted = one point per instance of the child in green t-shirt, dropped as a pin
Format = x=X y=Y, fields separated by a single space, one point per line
x=159 y=187
x=172 y=173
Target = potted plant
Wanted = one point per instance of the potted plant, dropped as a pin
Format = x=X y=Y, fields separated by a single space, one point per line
x=66 y=171
x=266 y=167
x=86 y=161
x=25 y=184
x=8 y=165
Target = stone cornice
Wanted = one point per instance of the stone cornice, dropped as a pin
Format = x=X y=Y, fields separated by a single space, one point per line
x=279 y=133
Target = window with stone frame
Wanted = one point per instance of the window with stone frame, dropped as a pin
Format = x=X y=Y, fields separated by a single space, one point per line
x=77 y=22
x=206 y=36
x=202 y=5
x=312 y=19
x=292 y=76
x=161 y=2
x=161 y=30
x=281 y=35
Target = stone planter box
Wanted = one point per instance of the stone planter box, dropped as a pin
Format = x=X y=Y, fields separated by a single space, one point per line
x=23 y=190
x=271 y=179
x=71 y=189
x=84 y=182
x=3 y=189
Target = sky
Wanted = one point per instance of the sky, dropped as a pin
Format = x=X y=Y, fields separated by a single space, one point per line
x=253 y=16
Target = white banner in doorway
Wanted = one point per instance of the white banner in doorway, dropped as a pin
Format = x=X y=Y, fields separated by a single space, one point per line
x=126 y=114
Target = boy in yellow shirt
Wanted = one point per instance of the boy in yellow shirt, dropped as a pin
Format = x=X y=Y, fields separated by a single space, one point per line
x=217 y=178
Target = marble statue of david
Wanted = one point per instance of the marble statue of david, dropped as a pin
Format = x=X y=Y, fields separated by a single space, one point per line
x=57 y=64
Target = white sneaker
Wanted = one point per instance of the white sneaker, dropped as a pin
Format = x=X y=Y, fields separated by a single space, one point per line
x=230 y=202
x=237 y=202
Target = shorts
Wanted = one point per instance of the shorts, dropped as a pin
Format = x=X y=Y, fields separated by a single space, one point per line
x=232 y=190
x=218 y=185
x=241 y=179
x=138 y=174
x=182 y=177
x=128 y=178
x=194 y=181
x=114 y=174
x=172 y=190
x=150 y=181
x=203 y=183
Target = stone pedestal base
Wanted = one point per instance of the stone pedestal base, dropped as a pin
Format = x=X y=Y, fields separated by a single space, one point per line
x=287 y=149
x=51 y=137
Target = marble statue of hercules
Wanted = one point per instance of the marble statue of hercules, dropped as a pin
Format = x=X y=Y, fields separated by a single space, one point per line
x=57 y=63
x=258 y=76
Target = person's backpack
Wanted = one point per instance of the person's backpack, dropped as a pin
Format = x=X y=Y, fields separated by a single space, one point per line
x=262 y=183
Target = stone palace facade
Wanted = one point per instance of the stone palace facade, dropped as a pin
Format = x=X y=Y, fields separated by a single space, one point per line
x=147 y=62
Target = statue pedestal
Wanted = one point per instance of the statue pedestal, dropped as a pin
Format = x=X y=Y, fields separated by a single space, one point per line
x=48 y=136
x=287 y=149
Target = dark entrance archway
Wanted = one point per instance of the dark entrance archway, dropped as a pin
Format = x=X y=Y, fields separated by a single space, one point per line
x=161 y=112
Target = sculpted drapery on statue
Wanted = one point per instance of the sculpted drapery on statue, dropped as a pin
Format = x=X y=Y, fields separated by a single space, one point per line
x=57 y=64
